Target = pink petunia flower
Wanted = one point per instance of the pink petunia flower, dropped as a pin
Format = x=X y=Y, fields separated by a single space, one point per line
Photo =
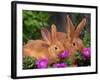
x=86 y=52
x=42 y=63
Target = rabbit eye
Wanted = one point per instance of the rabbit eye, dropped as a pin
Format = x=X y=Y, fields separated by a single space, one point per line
x=56 y=48
x=73 y=44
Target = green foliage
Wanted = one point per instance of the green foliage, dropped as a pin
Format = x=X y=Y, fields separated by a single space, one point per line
x=28 y=62
x=86 y=39
x=79 y=58
x=33 y=21
x=68 y=61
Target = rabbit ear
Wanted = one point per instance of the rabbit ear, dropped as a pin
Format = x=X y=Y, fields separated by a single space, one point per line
x=46 y=35
x=70 y=27
x=53 y=32
x=80 y=27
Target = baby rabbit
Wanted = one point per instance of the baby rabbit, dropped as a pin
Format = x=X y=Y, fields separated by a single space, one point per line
x=73 y=43
x=48 y=48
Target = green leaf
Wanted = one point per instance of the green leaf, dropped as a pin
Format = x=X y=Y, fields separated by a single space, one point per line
x=28 y=62
x=86 y=39
x=68 y=61
x=33 y=21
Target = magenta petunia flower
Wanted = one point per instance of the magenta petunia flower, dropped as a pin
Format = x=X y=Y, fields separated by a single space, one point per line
x=86 y=52
x=64 y=54
x=59 y=65
x=42 y=63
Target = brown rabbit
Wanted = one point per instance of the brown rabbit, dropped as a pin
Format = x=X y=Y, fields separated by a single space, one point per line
x=73 y=43
x=48 y=48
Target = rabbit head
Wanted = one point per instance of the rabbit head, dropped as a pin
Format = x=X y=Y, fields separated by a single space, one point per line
x=55 y=46
x=73 y=43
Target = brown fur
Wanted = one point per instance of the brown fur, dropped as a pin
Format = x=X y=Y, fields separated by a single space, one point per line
x=73 y=43
x=71 y=40
x=45 y=48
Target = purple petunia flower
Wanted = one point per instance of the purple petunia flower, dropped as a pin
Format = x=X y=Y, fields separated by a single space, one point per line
x=59 y=65
x=86 y=52
x=64 y=54
x=42 y=63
